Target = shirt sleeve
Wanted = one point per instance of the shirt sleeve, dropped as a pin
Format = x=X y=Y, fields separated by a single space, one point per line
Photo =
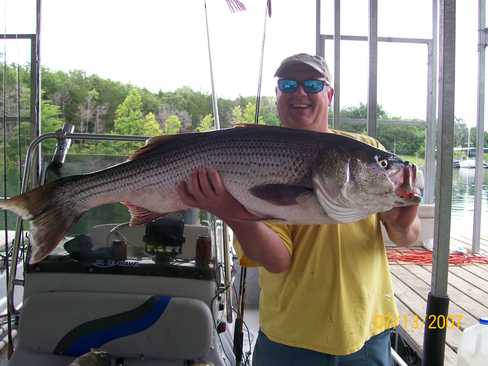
x=283 y=231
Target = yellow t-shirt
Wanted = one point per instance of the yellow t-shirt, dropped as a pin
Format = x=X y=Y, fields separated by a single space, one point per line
x=337 y=293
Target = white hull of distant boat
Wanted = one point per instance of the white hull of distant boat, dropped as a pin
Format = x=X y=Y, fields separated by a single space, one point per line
x=471 y=164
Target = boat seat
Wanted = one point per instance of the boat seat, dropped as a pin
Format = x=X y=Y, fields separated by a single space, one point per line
x=143 y=330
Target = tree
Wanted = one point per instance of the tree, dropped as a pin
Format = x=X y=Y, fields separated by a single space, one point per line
x=361 y=111
x=151 y=126
x=401 y=139
x=172 y=125
x=128 y=115
x=237 y=115
x=87 y=111
x=206 y=123
x=164 y=111
x=246 y=116
x=460 y=132
x=130 y=121
x=249 y=114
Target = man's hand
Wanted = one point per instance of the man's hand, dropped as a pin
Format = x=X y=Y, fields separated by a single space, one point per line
x=207 y=192
x=260 y=244
x=402 y=224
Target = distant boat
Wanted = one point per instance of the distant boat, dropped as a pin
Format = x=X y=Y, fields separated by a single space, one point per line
x=468 y=163
x=471 y=164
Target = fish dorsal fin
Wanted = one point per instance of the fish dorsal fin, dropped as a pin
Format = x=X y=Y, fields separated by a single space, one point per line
x=151 y=145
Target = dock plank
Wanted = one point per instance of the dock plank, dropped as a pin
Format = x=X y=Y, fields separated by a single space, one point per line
x=417 y=279
x=479 y=269
x=467 y=242
x=418 y=305
x=464 y=286
x=465 y=272
x=470 y=308
x=415 y=336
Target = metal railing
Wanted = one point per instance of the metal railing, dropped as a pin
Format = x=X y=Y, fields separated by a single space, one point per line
x=60 y=135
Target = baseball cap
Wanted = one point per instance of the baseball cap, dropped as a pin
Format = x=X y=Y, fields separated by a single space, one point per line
x=315 y=62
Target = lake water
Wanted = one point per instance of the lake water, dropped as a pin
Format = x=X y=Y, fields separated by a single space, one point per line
x=463 y=186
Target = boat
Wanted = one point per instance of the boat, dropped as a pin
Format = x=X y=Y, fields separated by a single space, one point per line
x=148 y=295
x=471 y=164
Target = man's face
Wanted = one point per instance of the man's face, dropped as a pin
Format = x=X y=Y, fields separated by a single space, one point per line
x=299 y=109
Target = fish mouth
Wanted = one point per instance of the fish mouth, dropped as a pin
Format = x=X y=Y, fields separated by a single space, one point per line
x=409 y=188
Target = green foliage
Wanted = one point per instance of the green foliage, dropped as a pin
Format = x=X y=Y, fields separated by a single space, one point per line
x=361 y=111
x=129 y=120
x=151 y=126
x=195 y=103
x=415 y=159
x=400 y=139
x=50 y=122
x=206 y=124
x=246 y=116
x=237 y=115
x=172 y=125
x=99 y=105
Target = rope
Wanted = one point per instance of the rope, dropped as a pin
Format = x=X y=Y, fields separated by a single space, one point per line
x=420 y=256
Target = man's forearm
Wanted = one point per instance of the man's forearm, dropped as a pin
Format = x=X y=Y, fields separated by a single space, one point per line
x=404 y=236
x=262 y=245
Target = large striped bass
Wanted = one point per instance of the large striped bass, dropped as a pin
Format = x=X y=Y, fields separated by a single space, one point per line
x=296 y=176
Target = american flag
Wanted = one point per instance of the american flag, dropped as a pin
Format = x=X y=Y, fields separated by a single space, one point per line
x=235 y=5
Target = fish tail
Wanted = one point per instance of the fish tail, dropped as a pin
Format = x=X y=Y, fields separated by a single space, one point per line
x=50 y=217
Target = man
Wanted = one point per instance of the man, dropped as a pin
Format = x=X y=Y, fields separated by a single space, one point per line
x=326 y=295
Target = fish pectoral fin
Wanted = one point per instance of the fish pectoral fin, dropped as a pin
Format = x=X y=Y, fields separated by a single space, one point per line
x=279 y=194
x=140 y=215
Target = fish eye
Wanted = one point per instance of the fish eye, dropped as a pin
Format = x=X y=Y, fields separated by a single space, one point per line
x=384 y=163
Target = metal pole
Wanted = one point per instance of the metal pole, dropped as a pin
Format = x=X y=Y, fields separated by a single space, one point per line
x=261 y=63
x=227 y=272
x=480 y=122
x=214 y=95
x=37 y=89
x=445 y=143
x=430 y=141
x=238 y=337
x=438 y=301
x=319 y=43
x=373 y=67
x=381 y=39
x=337 y=63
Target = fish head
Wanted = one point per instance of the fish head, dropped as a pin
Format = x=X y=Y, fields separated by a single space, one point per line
x=351 y=184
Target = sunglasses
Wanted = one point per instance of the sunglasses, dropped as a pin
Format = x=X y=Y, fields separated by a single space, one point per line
x=311 y=86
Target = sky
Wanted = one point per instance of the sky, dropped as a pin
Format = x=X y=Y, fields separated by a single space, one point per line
x=162 y=45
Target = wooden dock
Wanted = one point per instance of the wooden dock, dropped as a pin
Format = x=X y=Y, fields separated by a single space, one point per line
x=467 y=291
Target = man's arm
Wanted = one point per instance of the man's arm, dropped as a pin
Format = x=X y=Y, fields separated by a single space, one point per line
x=402 y=225
x=260 y=244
